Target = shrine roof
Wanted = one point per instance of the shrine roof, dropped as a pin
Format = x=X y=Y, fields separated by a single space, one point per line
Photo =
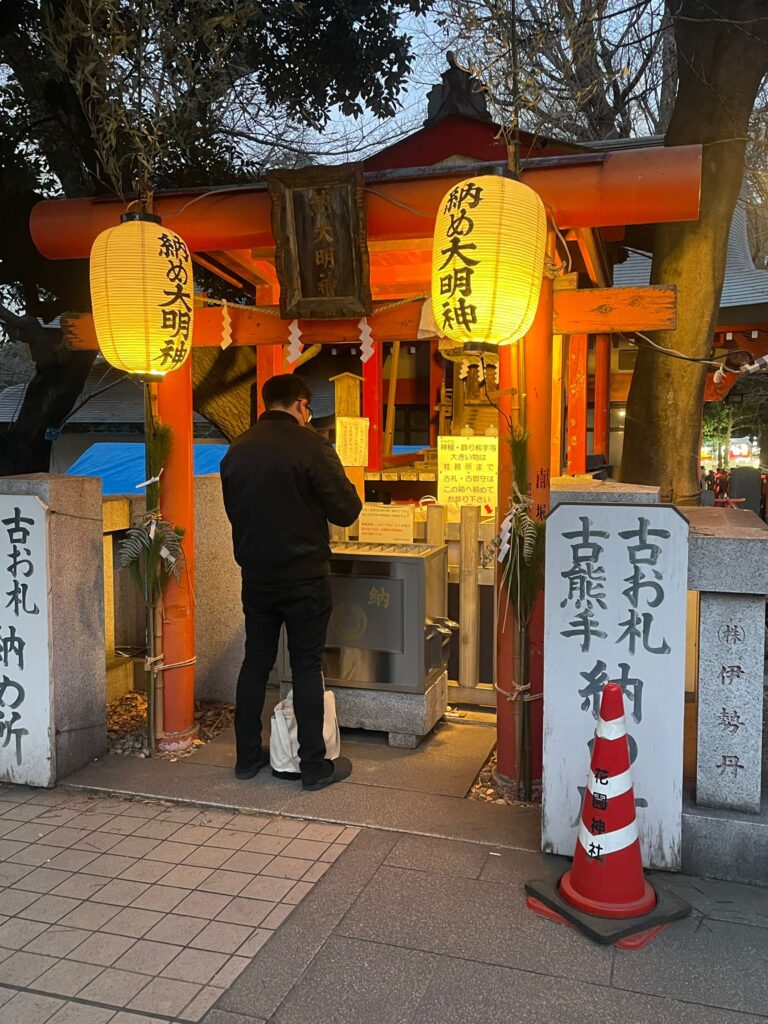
x=111 y=398
x=745 y=287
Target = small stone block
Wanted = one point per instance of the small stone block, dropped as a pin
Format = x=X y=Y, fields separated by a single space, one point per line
x=410 y=714
x=403 y=740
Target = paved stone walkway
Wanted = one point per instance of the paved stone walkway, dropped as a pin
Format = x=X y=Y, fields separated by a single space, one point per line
x=135 y=911
x=411 y=929
x=115 y=911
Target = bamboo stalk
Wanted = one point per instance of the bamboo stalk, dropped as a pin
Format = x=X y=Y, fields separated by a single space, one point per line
x=521 y=382
x=158 y=677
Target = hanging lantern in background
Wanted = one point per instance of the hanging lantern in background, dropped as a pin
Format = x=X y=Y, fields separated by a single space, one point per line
x=487 y=261
x=142 y=296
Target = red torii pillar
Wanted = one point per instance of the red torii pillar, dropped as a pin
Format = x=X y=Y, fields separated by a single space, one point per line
x=602 y=403
x=538 y=404
x=373 y=405
x=577 y=403
x=177 y=506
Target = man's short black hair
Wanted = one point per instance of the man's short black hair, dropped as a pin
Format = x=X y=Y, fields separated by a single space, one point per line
x=283 y=390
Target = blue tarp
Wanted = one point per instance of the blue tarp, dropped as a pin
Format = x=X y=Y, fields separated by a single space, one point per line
x=121 y=466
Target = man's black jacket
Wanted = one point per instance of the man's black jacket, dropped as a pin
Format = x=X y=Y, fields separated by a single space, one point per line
x=282 y=485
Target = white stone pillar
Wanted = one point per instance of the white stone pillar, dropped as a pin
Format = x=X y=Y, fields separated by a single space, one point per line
x=52 y=647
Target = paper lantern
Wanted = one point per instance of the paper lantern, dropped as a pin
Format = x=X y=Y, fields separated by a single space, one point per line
x=488 y=261
x=142 y=296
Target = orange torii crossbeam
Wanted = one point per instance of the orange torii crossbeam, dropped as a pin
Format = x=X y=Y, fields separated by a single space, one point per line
x=586 y=310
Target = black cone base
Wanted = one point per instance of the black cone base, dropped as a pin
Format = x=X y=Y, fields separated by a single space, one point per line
x=608 y=930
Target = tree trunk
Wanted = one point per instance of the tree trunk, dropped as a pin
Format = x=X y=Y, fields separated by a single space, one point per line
x=722 y=57
x=222 y=381
x=58 y=382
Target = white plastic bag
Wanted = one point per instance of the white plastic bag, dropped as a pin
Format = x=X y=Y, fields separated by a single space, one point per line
x=284 y=740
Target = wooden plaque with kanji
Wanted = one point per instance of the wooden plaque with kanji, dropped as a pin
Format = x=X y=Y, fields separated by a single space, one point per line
x=321 y=258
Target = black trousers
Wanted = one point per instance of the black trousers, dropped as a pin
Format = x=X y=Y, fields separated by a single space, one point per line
x=304 y=607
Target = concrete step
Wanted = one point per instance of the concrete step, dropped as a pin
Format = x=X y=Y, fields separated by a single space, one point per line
x=729 y=845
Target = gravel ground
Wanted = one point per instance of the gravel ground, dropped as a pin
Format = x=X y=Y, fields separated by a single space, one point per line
x=127 y=726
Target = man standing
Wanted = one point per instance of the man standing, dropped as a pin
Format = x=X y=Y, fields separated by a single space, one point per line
x=282 y=486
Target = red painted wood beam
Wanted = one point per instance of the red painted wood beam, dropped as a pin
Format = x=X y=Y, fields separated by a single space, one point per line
x=576 y=417
x=636 y=186
x=258 y=329
x=586 y=310
x=436 y=374
x=373 y=406
x=602 y=403
x=538 y=390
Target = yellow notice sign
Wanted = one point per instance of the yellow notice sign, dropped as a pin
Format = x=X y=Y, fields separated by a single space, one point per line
x=352 y=440
x=386 y=524
x=467 y=470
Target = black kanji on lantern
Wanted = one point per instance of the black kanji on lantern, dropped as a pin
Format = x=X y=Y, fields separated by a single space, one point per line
x=456 y=250
x=176 y=310
x=467 y=194
x=458 y=280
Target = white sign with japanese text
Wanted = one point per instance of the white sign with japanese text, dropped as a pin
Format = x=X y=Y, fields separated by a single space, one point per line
x=26 y=733
x=615 y=611
x=386 y=524
x=468 y=471
x=352 y=440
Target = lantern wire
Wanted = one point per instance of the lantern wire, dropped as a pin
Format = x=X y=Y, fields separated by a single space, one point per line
x=396 y=202
x=564 y=243
x=674 y=354
x=88 y=398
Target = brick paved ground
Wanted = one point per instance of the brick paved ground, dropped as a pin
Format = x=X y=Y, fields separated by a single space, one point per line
x=120 y=912
x=133 y=911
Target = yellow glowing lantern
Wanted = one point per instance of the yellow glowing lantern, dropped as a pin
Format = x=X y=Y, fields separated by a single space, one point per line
x=487 y=261
x=142 y=296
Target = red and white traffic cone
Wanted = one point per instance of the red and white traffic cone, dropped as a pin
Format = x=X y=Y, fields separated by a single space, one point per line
x=605 y=893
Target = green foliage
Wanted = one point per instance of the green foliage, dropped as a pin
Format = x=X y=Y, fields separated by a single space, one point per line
x=742 y=413
x=717 y=422
x=104 y=94
x=151 y=551
x=185 y=75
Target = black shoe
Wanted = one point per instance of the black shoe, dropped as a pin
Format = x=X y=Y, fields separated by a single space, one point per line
x=250 y=771
x=338 y=770
x=291 y=776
